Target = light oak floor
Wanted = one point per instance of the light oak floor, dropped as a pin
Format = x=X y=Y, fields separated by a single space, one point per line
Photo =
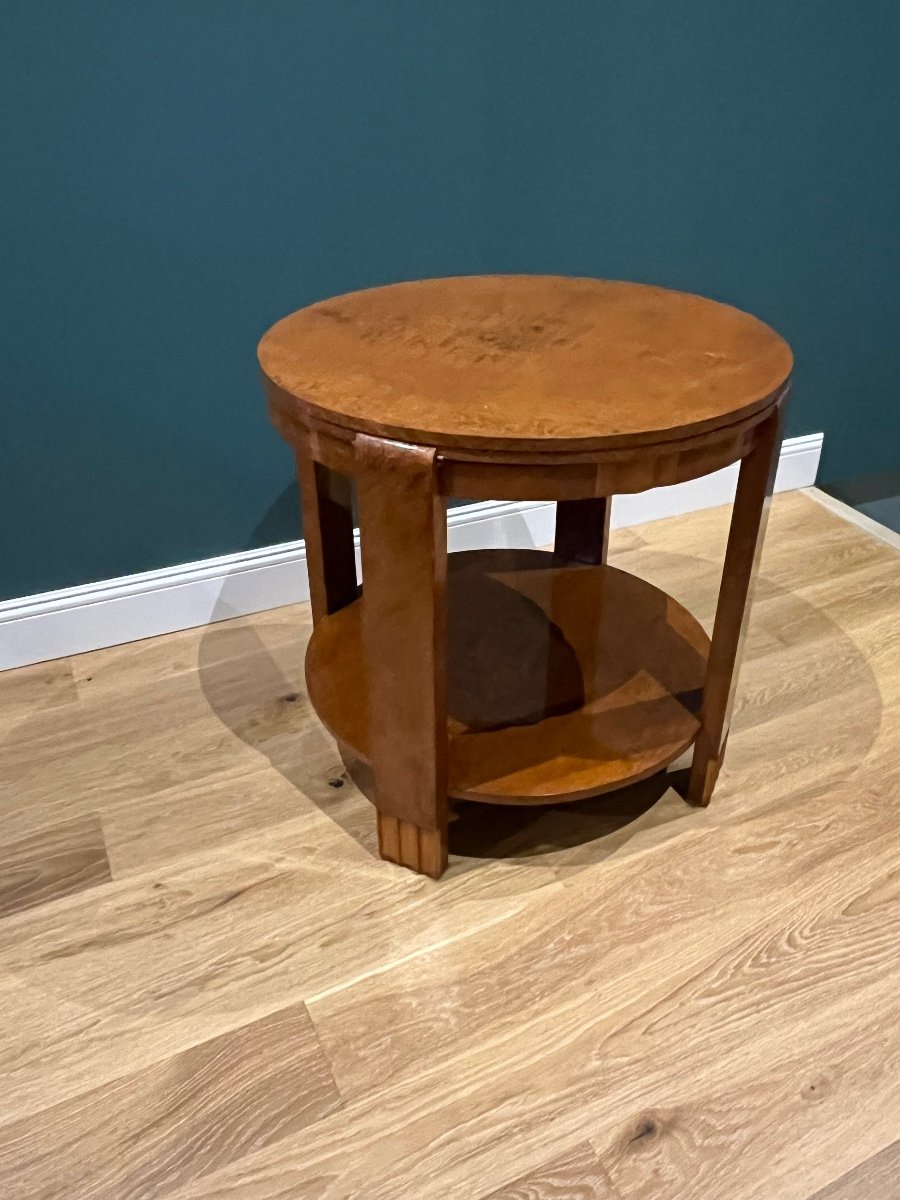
x=211 y=987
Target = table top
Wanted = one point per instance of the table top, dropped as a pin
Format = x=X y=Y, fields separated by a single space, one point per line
x=525 y=362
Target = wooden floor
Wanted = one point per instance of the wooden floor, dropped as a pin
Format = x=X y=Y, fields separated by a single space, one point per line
x=211 y=987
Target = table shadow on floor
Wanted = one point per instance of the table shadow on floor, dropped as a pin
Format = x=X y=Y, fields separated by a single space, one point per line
x=260 y=696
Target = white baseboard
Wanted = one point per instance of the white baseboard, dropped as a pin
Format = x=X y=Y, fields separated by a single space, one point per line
x=73 y=620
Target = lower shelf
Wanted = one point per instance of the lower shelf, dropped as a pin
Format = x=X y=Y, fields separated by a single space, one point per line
x=562 y=681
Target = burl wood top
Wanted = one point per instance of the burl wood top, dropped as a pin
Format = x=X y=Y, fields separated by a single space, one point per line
x=514 y=361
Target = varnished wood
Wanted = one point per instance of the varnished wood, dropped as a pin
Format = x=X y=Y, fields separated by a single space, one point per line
x=581 y=984
x=412 y=846
x=582 y=529
x=563 y=681
x=326 y=501
x=542 y=474
x=606 y=472
x=517 y=361
x=745 y=541
x=513 y=387
x=404 y=554
x=539 y=473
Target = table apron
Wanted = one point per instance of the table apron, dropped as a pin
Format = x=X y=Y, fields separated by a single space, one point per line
x=564 y=475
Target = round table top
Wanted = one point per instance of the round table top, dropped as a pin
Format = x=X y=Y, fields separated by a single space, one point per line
x=525 y=362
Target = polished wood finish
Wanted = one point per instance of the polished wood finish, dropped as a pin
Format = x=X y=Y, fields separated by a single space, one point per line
x=522 y=361
x=573 y=476
x=745 y=541
x=529 y=387
x=404 y=556
x=563 y=681
x=327 y=502
x=709 y=999
x=414 y=846
x=535 y=474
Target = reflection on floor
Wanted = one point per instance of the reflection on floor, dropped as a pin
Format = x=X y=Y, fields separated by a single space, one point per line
x=210 y=986
x=876 y=496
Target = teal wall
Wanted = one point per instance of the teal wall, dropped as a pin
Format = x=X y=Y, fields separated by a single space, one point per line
x=179 y=174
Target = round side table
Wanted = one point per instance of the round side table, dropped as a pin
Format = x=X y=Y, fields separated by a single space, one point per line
x=517 y=676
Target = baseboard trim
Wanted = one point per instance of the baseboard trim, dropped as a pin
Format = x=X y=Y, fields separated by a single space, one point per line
x=855 y=517
x=74 y=620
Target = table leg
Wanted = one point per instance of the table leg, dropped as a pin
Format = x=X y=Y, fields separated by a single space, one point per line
x=745 y=539
x=582 y=529
x=325 y=499
x=403 y=529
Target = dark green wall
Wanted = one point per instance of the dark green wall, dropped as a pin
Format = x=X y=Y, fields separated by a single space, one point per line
x=178 y=175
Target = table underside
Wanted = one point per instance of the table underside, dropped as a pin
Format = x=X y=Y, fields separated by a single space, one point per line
x=563 y=681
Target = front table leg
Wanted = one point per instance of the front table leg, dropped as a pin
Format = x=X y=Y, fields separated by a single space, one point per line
x=403 y=532
x=745 y=539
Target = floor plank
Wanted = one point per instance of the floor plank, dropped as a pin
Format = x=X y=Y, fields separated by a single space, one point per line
x=144 y=1134
x=192 y=949
x=704 y=1003
x=776 y=1128
x=708 y=1038
x=260 y=758
x=577 y=1175
x=693 y=892
x=52 y=863
x=47 y=685
x=878 y=1178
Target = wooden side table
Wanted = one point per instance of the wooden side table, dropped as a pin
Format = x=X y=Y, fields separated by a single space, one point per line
x=517 y=676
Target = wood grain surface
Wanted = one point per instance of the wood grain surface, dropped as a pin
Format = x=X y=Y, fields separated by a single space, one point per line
x=403 y=531
x=876 y=1179
x=562 y=681
x=577 y=1175
x=756 y=480
x=51 y=863
x=144 y=1134
x=626 y=999
x=512 y=361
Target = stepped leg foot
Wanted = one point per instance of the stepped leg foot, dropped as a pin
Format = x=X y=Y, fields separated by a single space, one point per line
x=408 y=845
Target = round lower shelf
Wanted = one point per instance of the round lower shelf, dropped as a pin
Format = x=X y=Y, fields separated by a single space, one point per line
x=563 y=680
